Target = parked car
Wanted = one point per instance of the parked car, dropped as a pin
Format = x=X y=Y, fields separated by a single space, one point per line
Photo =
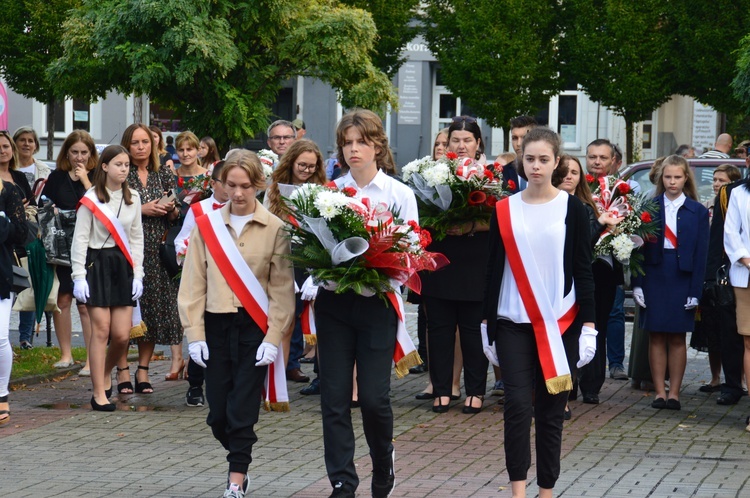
x=702 y=168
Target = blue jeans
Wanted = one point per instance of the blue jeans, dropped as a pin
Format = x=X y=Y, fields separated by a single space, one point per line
x=616 y=331
x=25 y=325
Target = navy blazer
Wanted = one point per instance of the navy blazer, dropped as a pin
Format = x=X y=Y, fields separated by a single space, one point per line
x=692 y=243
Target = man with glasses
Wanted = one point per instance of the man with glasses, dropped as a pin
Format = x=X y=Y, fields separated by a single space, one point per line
x=281 y=134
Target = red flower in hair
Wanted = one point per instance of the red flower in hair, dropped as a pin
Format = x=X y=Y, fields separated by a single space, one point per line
x=646 y=217
x=451 y=155
x=180 y=181
x=349 y=191
x=624 y=188
x=477 y=197
x=590 y=178
x=511 y=184
x=491 y=201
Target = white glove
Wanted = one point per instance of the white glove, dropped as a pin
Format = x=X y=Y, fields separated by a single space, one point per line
x=137 y=288
x=490 y=351
x=81 y=290
x=198 y=352
x=309 y=290
x=266 y=354
x=638 y=297
x=586 y=346
x=692 y=302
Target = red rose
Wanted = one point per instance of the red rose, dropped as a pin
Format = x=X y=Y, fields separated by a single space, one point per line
x=331 y=184
x=477 y=197
x=349 y=191
x=451 y=155
x=646 y=217
x=491 y=201
x=623 y=187
x=180 y=181
x=590 y=178
x=511 y=184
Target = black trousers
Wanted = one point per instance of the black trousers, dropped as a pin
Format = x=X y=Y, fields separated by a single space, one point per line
x=732 y=351
x=591 y=376
x=443 y=316
x=422 y=335
x=362 y=329
x=233 y=383
x=195 y=373
x=522 y=376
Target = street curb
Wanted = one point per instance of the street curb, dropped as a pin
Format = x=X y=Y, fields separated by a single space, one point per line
x=38 y=379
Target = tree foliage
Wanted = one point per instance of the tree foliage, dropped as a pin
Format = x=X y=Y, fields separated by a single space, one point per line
x=30 y=35
x=393 y=21
x=219 y=64
x=622 y=54
x=498 y=55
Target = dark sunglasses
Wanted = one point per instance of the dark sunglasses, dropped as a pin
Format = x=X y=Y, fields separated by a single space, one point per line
x=463 y=119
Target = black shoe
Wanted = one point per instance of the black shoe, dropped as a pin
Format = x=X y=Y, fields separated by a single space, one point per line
x=109 y=407
x=194 y=397
x=659 y=403
x=472 y=410
x=342 y=490
x=384 y=480
x=424 y=396
x=419 y=369
x=590 y=399
x=440 y=407
x=727 y=399
x=708 y=388
x=567 y=414
x=313 y=389
x=673 y=404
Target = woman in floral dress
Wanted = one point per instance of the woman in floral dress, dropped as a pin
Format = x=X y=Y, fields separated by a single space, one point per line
x=158 y=303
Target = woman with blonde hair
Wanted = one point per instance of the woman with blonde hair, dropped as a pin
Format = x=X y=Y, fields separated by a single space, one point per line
x=64 y=187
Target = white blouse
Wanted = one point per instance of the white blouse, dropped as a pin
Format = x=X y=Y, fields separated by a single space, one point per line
x=737 y=235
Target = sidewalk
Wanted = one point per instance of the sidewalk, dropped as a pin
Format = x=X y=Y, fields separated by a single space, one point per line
x=156 y=446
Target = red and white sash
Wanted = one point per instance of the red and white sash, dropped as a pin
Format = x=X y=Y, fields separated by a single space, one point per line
x=197 y=208
x=106 y=217
x=670 y=235
x=548 y=324
x=405 y=353
x=307 y=319
x=251 y=294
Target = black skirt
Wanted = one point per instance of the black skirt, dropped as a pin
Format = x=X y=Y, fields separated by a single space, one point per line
x=110 y=278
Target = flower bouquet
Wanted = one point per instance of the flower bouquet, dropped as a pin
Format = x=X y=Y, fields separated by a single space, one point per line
x=617 y=197
x=350 y=244
x=269 y=160
x=194 y=189
x=452 y=191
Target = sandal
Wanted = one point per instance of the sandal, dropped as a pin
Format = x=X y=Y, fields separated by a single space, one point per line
x=127 y=386
x=4 y=420
x=142 y=387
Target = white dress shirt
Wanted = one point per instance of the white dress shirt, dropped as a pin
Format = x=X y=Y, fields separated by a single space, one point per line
x=737 y=235
x=670 y=215
x=383 y=188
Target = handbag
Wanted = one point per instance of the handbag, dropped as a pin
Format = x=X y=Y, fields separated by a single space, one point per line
x=26 y=299
x=57 y=229
x=21 y=280
x=167 y=252
x=720 y=291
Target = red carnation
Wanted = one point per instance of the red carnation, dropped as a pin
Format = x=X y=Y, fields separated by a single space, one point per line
x=451 y=155
x=331 y=184
x=349 y=191
x=180 y=181
x=491 y=201
x=488 y=174
x=414 y=225
x=425 y=239
x=646 y=217
x=590 y=178
x=477 y=197
x=623 y=187
x=511 y=184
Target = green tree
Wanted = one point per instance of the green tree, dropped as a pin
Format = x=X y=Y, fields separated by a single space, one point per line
x=706 y=54
x=219 y=64
x=30 y=35
x=497 y=55
x=622 y=54
x=392 y=19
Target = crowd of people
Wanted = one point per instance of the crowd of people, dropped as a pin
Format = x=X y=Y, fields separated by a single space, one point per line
x=549 y=318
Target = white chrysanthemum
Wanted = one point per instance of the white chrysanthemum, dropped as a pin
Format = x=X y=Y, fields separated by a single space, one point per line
x=439 y=174
x=267 y=156
x=267 y=170
x=415 y=167
x=622 y=248
x=330 y=203
x=305 y=191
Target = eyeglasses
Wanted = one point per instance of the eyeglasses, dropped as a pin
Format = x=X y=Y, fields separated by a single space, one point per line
x=306 y=167
x=282 y=138
x=463 y=119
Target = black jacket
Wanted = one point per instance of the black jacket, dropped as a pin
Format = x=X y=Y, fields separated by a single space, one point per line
x=716 y=255
x=12 y=231
x=576 y=265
